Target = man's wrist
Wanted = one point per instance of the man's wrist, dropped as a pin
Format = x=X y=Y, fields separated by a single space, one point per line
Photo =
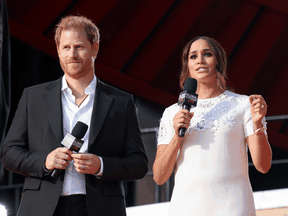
x=46 y=171
x=99 y=174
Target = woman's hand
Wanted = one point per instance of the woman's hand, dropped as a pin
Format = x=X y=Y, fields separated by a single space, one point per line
x=258 y=144
x=258 y=109
x=182 y=119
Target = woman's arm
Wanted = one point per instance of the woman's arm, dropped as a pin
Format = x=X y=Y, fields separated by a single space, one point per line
x=260 y=152
x=166 y=154
x=258 y=144
x=165 y=160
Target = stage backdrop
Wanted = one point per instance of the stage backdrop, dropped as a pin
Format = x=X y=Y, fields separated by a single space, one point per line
x=5 y=77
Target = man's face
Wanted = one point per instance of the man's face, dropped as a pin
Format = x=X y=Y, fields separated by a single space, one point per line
x=76 y=54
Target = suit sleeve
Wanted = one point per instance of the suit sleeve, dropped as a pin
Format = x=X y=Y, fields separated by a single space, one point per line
x=134 y=165
x=16 y=155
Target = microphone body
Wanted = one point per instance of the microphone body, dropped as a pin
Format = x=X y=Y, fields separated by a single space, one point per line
x=73 y=141
x=188 y=98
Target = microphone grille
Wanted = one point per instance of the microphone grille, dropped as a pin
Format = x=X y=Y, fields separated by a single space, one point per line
x=79 y=130
x=190 y=85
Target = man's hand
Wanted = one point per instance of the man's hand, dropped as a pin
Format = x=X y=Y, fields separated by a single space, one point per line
x=58 y=158
x=86 y=163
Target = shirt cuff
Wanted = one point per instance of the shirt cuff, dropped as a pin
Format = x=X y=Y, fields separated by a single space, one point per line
x=46 y=171
x=99 y=174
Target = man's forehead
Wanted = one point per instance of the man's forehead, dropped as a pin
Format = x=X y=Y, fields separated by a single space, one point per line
x=74 y=32
x=73 y=29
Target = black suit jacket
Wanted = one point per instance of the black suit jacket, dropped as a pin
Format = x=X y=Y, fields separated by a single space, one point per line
x=37 y=129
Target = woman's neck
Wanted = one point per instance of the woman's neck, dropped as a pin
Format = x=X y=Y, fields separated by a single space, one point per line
x=208 y=91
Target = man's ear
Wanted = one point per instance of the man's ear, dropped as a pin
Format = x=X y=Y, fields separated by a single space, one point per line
x=57 y=48
x=95 y=49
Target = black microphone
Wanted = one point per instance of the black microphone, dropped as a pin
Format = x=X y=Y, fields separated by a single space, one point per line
x=188 y=98
x=73 y=141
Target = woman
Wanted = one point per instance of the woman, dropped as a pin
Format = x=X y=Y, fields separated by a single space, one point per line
x=210 y=161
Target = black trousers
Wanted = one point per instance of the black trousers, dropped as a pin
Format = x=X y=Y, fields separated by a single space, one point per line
x=74 y=205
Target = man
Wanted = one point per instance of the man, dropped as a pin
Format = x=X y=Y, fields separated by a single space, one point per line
x=113 y=149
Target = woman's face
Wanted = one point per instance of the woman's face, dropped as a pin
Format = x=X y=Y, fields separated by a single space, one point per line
x=201 y=61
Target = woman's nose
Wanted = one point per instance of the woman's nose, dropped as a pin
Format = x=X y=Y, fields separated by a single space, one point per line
x=200 y=59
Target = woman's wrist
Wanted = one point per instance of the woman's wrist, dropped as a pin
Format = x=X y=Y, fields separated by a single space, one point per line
x=177 y=138
x=259 y=131
x=260 y=128
x=257 y=125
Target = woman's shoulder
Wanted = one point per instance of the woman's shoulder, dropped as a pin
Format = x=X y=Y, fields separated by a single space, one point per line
x=241 y=100
x=174 y=106
x=233 y=94
x=172 y=110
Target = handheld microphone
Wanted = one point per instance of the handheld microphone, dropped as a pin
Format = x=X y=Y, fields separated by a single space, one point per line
x=73 y=141
x=188 y=98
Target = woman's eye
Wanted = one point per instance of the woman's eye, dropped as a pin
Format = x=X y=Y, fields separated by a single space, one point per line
x=208 y=54
x=193 y=57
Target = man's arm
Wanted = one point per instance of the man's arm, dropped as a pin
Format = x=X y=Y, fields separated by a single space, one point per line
x=16 y=156
x=134 y=165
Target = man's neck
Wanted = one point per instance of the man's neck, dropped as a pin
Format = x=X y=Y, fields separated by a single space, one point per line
x=79 y=85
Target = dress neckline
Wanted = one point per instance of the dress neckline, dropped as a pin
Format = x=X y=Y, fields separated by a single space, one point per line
x=213 y=98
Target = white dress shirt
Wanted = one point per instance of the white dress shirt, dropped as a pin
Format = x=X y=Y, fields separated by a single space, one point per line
x=74 y=182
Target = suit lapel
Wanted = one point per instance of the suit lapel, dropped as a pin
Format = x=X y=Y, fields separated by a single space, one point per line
x=54 y=109
x=102 y=104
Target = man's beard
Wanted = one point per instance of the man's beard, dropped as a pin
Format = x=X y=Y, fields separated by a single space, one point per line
x=76 y=72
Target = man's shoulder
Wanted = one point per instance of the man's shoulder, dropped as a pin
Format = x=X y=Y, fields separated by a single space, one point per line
x=111 y=90
x=44 y=86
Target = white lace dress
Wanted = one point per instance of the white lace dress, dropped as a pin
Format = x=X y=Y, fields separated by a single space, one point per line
x=211 y=173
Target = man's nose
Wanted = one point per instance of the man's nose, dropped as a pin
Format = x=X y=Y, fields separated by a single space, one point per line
x=72 y=53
